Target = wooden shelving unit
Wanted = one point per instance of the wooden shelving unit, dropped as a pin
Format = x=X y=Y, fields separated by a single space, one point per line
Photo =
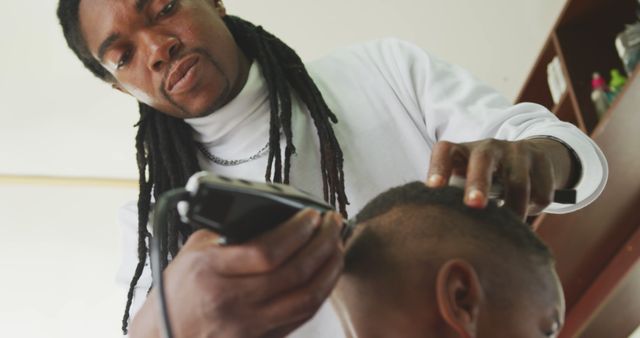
x=598 y=247
x=583 y=40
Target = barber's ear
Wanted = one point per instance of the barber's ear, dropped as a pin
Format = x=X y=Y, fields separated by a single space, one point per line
x=460 y=295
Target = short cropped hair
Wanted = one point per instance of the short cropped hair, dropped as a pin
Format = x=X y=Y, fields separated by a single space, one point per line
x=494 y=237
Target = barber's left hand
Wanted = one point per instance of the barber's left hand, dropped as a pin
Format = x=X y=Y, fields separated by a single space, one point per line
x=529 y=170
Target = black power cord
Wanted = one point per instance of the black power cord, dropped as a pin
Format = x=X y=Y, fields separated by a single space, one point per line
x=160 y=251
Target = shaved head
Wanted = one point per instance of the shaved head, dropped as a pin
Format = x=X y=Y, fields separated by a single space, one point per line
x=417 y=251
x=435 y=223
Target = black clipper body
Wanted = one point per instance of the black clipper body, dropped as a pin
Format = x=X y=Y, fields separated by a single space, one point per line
x=238 y=209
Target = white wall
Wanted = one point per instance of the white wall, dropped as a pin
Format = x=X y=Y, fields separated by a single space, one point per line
x=55 y=118
x=59 y=253
x=59 y=245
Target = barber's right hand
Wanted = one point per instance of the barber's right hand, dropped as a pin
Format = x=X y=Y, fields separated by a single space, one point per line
x=266 y=287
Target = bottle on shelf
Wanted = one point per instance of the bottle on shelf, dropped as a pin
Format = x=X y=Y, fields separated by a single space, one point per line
x=628 y=46
x=599 y=94
x=616 y=83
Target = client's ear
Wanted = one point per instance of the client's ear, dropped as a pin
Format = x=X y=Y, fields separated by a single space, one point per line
x=459 y=295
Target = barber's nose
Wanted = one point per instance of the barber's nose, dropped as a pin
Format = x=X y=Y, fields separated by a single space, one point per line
x=162 y=49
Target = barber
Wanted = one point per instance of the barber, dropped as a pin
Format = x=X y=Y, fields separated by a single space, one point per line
x=218 y=93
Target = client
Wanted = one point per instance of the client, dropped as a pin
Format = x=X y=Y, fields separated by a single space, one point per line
x=422 y=264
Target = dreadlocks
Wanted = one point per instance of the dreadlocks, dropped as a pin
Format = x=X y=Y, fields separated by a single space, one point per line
x=166 y=154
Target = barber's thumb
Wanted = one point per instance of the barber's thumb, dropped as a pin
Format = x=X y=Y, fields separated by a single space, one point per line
x=204 y=237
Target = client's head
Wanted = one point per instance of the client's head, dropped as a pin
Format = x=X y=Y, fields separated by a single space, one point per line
x=422 y=264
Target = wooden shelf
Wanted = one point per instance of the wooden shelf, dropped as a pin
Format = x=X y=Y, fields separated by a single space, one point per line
x=596 y=247
x=565 y=111
x=586 y=242
x=625 y=92
x=576 y=118
x=613 y=299
x=536 y=88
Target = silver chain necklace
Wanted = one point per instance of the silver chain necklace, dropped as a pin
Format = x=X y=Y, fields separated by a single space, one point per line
x=229 y=163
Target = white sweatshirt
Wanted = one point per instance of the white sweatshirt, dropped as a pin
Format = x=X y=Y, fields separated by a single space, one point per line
x=393 y=102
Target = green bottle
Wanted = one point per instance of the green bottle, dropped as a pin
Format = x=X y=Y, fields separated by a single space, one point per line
x=616 y=84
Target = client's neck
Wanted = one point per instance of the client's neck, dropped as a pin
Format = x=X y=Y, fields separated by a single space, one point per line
x=373 y=308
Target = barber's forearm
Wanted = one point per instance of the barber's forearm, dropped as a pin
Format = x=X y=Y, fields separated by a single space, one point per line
x=145 y=322
x=565 y=168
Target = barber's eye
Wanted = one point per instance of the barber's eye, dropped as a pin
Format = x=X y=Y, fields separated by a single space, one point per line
x=166 y=10
x=124 y=59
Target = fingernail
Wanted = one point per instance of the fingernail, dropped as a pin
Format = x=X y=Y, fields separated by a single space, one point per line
x=475 y=198
x=435 y=181
x=315 y=219
x=337 y=218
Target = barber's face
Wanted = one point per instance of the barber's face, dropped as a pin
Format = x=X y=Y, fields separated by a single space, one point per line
x=174 y=55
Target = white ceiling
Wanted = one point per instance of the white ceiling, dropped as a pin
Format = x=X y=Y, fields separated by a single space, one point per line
x=55 y=119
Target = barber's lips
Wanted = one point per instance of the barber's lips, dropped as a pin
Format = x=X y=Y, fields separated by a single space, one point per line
x=182 y=75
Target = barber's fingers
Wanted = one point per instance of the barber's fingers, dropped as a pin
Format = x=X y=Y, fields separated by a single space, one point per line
x=447 y=158
x=200 y=240
x=543 y=189
x=517 y=183
x=302 y=303
x=267 y=251
x=482 y=165
x=302 y=267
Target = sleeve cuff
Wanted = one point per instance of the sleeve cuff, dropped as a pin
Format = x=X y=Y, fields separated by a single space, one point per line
x=594 y=168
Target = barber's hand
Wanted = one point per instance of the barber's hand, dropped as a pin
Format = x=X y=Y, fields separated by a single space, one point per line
x=266 y=287
x=529 y=170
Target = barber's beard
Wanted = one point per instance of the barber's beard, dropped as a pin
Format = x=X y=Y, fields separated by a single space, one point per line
x=215 y=105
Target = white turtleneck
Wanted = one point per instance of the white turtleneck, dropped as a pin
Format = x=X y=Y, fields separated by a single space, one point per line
x=240 y=124
x=393 y=102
